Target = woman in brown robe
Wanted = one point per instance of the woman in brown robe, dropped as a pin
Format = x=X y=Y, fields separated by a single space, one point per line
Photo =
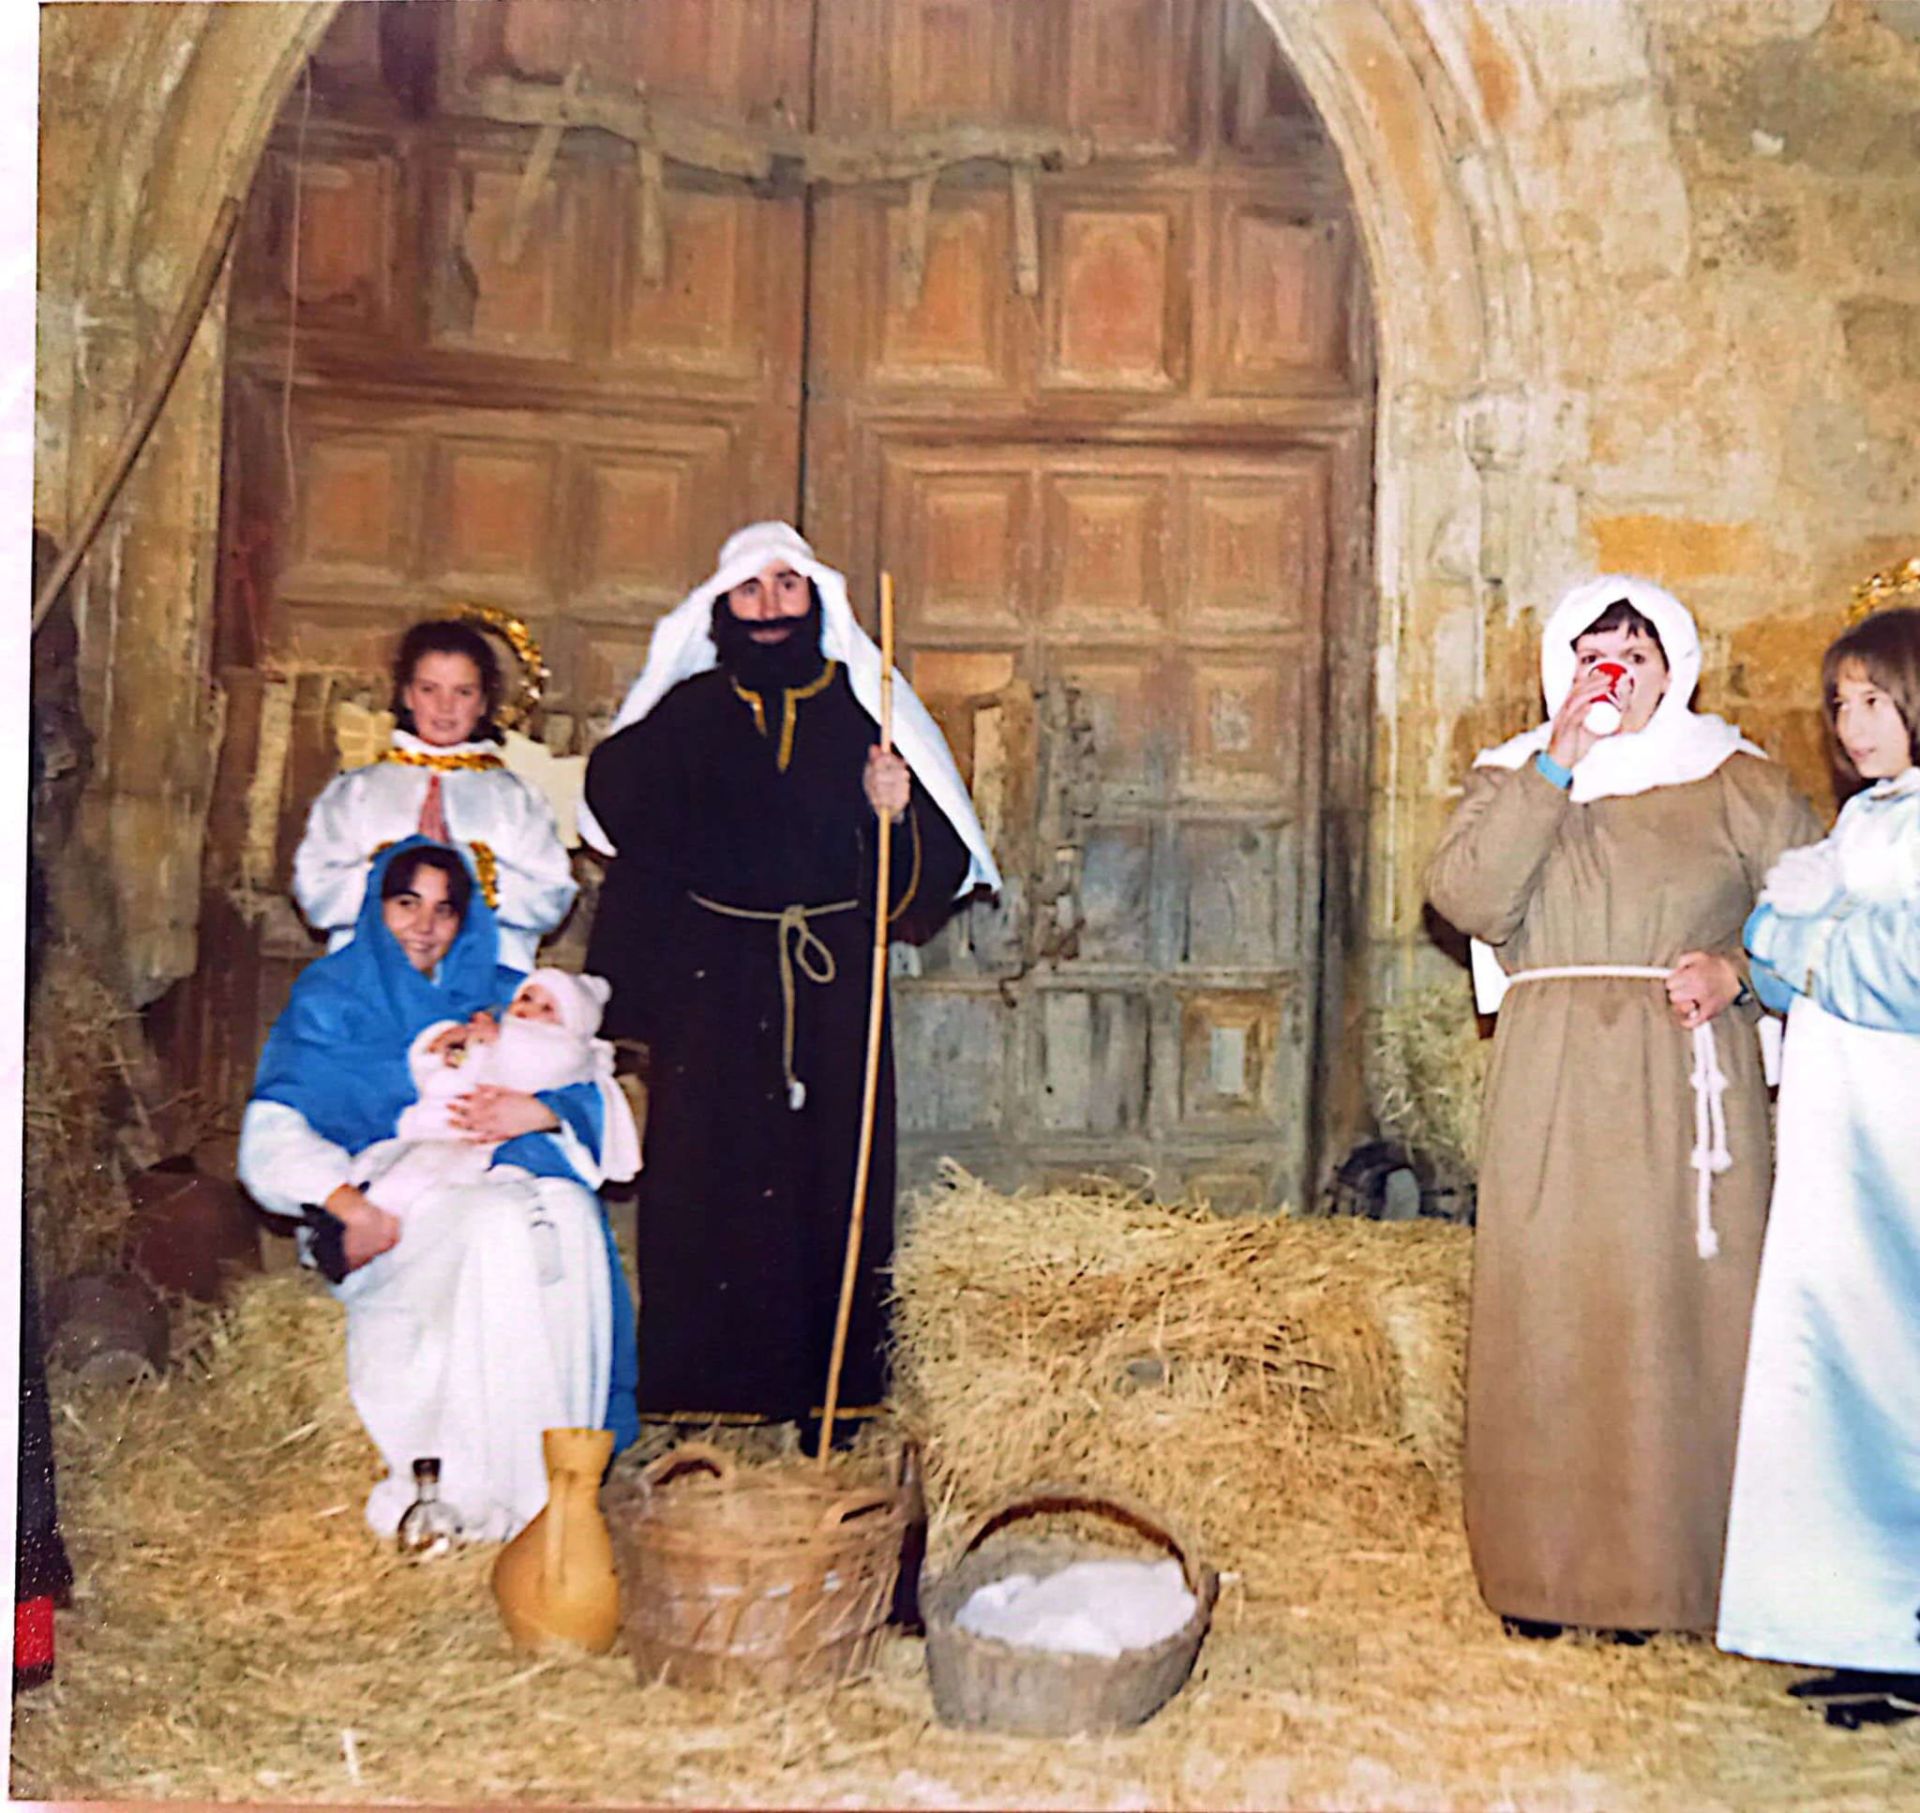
x=1616 y=1251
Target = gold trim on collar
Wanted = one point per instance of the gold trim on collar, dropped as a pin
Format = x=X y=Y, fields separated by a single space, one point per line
x=444 y=764
x=754 y=699
x=790 y=702
x=790 y=711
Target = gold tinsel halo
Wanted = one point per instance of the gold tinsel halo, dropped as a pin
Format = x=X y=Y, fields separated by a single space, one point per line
x=1897 y=585
x=534 y=673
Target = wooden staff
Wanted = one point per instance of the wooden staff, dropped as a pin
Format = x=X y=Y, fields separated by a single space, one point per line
x=876 y=1020
x=193 y=304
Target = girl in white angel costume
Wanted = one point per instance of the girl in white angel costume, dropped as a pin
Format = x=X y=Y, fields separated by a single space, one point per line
x=444 y=778
x=1823 y=1543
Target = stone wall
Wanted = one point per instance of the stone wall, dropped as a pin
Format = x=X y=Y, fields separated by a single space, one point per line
x=1715 y=208
x=1647 y=274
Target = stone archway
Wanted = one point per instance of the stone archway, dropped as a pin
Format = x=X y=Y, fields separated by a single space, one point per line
x=1419 y=97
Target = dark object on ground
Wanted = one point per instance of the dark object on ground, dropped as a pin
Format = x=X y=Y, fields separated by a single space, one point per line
x=1855 y=1684
x=107 y=1327
x=1851 y=1715
x=1380 y=1180
x=1535 y=1630
x=188 y=1229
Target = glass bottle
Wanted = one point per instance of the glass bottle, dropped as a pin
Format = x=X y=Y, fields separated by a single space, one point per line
x=428 y=1527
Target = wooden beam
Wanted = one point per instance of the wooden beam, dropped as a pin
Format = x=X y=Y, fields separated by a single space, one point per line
x=546 y=147
x=750 y=152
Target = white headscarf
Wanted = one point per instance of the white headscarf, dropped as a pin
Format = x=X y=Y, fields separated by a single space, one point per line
x=682 y=647
x=1677 y=745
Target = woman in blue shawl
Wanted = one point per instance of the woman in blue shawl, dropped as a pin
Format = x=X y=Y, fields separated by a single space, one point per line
x=465 y=1336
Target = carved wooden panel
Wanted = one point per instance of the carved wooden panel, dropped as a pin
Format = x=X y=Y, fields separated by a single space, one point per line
x=740 y=57
x=1281 y=300
x=1093 y=1062
x=1266 y=113
x=339 y=264
x=949 y=61
x=948 y=326
x=1122 y=700
x=637 y=519
x=1256 y=543
x=721 y=299
x=1115 y=895
x=485 y=292
x=960 y=1053
x=491 y=507
x=1243 y=719
x=1227 y=1045
x=1115 y=297
x=1106 y=540
x=329 y=633
x=1126 y=69
x=960 y=542
x=355 y=507
x=1231 y=880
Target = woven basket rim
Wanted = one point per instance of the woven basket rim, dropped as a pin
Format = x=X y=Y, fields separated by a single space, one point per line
x=974 y=1567
x=940 y=1617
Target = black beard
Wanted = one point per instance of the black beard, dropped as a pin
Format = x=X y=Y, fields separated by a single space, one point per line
x=768 y=666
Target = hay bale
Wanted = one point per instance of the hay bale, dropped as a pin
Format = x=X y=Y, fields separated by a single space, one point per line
x=1428 y=1066
x=76 y=1095
x=1212 y=1368
x=238 y=1634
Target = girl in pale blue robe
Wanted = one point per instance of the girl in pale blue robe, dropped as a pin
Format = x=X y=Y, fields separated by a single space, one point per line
x=1823 y=1541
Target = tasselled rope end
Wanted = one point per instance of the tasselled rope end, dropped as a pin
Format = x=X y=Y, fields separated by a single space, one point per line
x=1707 y=1243
x=796 y=1095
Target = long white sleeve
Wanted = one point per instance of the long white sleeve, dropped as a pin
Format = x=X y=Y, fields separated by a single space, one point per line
x=283 y=1163
x=345 y=825
x=533 y=878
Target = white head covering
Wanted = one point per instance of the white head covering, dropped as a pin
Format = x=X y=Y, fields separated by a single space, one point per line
x=579 y=1000
x=682 y=647
x=1676 y=746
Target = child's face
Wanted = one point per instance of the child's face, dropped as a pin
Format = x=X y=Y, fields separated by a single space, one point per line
x=1869 y=726
x=534 y=1003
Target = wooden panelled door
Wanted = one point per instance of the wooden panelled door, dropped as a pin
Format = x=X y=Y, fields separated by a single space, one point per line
x=1108 y=425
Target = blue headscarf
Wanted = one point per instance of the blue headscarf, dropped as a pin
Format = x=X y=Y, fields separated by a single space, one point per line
x=338 y=1053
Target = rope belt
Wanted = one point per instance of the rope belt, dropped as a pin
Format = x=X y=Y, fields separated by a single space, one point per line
x=801 y=947
x=1710 y=1153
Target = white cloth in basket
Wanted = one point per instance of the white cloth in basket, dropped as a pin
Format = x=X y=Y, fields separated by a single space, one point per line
x=1089 y=1608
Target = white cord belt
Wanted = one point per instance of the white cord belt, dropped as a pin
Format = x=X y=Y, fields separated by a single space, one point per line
x=1710 y=1153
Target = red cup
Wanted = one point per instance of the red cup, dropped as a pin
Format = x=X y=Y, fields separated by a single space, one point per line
x=1605 y=714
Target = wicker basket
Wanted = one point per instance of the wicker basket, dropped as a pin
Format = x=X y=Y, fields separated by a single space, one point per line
x=982 y=1683
x=772 y=1577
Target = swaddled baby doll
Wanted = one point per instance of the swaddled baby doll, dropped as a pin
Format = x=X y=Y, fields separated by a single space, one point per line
x=545 y=1040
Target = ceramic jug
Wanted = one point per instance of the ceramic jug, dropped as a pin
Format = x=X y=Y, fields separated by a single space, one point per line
x=555 y=1581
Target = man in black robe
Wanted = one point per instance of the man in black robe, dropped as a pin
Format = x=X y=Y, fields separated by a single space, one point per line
x=736 y=926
